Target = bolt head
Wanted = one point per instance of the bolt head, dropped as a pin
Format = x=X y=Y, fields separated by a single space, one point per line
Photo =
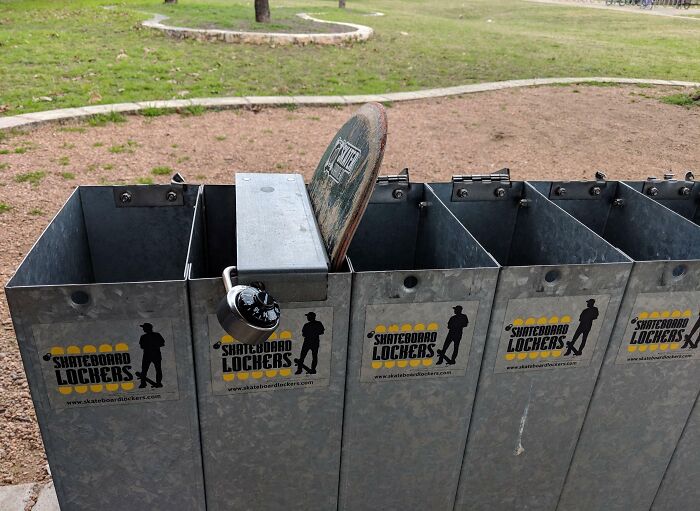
x=499 y=192
x=560 y=191
x=618 y=203
x=462 y=193
x=171 y=196
x=684 y=191
x=596 y=190
x=653 y=191
x=125 y=197
x=398 y=194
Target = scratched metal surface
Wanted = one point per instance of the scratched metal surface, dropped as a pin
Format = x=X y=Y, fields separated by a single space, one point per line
x=525 y=424
x=141 y=455
x=403 y=439
x=270 y=450
x=340 y=202
x=638 y=410
x=678 y=490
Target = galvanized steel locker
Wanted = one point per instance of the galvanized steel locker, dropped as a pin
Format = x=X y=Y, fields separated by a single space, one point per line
x=421 y=299
x=649 y=379
x=678 y=489
x=270 y=427
x=102 y=321
x=557 y=297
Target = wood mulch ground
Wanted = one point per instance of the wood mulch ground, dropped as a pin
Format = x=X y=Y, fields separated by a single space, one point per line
x=540 y=133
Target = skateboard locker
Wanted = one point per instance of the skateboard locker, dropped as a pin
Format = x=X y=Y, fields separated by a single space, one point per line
x=419 y=278
x=559 y=289
x=270 y=427
x=100 y=311
x=649 y=379
x=677 y=490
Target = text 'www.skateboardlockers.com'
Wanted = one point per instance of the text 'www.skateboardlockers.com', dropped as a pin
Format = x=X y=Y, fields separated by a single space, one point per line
x=412 y=375
x=106 y=400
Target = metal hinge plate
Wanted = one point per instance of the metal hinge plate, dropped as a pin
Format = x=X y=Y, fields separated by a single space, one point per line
x=392 y=188
x=580 y=190
x=668 y=189
x=140 y=196
x=577 y=190
x=496 y=186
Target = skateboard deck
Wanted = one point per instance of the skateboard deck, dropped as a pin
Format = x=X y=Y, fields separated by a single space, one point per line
x=145 y=378
x=345 y=177
x=300 y=365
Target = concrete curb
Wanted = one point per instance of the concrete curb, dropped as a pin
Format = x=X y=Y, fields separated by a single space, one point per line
x=33 y=496
x=67 y=114
x=360 y=33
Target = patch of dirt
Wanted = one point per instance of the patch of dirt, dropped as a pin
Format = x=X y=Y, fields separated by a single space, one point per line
x=540 y=133
x=291 y=25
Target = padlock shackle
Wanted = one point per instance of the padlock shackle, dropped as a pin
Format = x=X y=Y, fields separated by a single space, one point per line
x=226 y=275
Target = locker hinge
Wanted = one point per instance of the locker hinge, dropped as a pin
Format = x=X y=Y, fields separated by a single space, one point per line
x=493 y=186
x=392 y=188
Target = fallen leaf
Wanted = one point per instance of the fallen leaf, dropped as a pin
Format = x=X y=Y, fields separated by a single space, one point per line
x=95 y=97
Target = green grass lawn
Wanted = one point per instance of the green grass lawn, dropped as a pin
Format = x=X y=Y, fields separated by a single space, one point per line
x=233 y=16
x=76 y=53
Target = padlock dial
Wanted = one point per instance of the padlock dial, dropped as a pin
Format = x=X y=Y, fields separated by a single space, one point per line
x=257 y=307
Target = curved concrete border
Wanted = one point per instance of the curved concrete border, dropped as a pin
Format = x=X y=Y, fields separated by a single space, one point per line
x=65 y=114
x=360 y=33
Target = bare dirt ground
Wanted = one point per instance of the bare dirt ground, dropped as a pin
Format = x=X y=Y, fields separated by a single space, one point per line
x=540 y=133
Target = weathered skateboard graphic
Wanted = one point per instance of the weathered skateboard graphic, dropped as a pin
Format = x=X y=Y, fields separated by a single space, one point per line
x=344 y=179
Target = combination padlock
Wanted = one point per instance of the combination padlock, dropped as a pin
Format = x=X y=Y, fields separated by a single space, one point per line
x=247 y=313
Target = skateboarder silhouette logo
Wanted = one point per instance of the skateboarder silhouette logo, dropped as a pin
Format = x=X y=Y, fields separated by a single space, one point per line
x=688 y=339
x=151 y=342
x=455 y=326
x=311 y=332
x=585 y=323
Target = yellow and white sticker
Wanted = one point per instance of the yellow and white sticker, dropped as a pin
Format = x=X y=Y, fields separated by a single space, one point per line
x=550 y=333
x=297 y=355
x=107 y=362
x=417 y=340
x=662 y=327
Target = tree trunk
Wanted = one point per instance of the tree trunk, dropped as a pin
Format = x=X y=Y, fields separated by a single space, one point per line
x=169 y=1
x=262 y=11
x=341 y=4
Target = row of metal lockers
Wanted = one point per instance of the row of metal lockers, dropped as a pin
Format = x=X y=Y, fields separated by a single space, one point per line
x=490 y=345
